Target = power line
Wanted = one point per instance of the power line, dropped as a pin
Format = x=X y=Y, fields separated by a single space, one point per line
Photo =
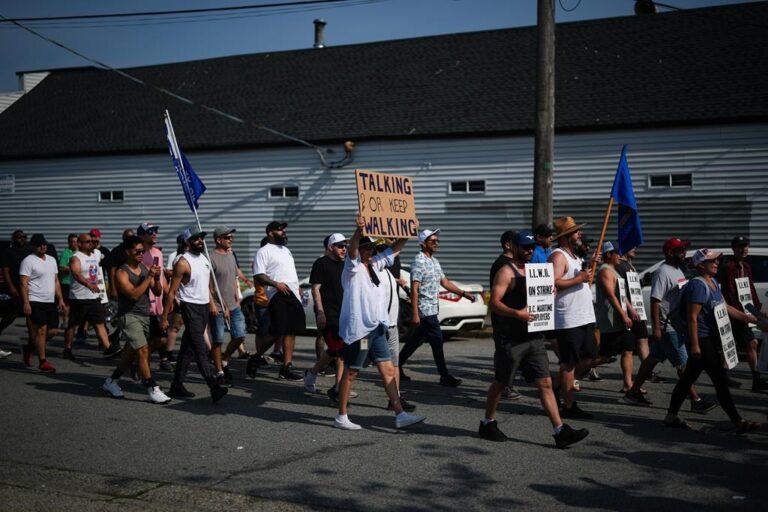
x=179 y=11
x=330 y=165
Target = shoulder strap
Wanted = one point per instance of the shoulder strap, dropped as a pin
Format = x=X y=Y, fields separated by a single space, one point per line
x=389 y=278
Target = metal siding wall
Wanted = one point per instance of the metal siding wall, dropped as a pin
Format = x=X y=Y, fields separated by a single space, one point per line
x=729 y=166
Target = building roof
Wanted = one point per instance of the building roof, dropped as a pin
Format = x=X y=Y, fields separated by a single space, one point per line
x=677 y=68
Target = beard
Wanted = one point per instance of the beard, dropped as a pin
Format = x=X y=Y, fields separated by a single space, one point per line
x=281 y=240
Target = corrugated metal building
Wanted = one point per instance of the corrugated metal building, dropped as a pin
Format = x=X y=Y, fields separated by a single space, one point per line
x=687 y=91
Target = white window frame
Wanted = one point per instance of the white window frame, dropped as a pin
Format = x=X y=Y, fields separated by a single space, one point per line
x=284 y=189
x=466 y=187
x=669 y=180
x=111 y=198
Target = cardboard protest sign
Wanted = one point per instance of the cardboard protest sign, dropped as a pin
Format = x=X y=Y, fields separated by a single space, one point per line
x=622 y=293
x=387 y=203
x=636 y=294
x=540 y=281
x=726 y=336
x=744 y=291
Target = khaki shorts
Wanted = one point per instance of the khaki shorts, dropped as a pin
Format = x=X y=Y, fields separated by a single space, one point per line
x=134 y=329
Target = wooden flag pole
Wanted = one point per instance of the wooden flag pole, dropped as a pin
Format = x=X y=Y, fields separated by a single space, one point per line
x=602 y=237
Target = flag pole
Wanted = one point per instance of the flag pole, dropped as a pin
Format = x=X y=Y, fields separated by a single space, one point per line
x=172 y=135
x=602 y=237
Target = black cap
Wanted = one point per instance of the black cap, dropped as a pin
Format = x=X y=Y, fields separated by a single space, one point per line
x=507 y=236
x=276 y=225
x=366 y=241
x=543 y=230
x=739 y=241
x=37 y=240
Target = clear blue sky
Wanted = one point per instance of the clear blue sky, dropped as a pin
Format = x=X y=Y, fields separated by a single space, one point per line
x=139 y=43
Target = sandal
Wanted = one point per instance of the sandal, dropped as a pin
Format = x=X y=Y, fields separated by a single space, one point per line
x=744 y=426
x=677 y=423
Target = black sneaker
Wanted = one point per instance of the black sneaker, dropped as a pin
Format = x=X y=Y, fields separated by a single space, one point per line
x=166 y=366
x=277 y=356
x=227 y=377
x=703 y=406
x=574 y=412
x=636 y=399
x=405 y=404
x=403 y=376
x=286 y=373
x=219 y=378
x=491 y=432
x=759 y=384
x=179 y=392
x=251 y=366
x=569 y=436
x=217 y=393
x=112 y=351
x=329 y=371
x=449 y=381
x=67 y=354
x=333 y=395
x=244 y=355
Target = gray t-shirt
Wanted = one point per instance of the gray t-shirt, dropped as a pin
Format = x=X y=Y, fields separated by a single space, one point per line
x=125 y=304
x=225 y=268
x=666 y=284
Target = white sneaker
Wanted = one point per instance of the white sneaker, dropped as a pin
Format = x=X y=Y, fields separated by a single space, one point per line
x=352 y=395
x=309 y=381
x=111 y=387
x=345 y=424
x=4 y=354
x=404 y=419
x=156 y=396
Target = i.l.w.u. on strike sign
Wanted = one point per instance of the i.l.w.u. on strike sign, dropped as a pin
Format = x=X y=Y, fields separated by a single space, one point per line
x=387 y=203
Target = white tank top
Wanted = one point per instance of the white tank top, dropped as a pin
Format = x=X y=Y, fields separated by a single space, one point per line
x=89 y=269
x=196 y=290
x=573 y=306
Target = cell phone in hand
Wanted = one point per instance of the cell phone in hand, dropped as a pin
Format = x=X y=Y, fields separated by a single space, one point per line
x=155 y=261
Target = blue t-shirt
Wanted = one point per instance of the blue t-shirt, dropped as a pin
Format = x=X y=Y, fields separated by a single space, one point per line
x=697 y=292
x=540 y=254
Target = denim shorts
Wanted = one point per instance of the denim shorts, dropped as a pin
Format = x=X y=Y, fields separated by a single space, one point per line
x=236 y=326
x=262 y=321
x=378 y=349
x=672 y=347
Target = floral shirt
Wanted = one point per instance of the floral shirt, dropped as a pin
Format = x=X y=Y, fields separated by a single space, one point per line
x=428 y=272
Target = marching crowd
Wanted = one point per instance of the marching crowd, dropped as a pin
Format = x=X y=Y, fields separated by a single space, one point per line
x=355 y=286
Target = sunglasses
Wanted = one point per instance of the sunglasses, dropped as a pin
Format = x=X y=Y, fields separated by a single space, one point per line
x=139 y=251
x=340 y=246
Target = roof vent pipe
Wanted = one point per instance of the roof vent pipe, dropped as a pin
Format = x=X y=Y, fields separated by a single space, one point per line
x=319 y=28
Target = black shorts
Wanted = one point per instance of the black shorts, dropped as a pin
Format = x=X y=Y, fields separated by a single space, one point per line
x=154 y=328
x=614 y=343
x=530 y=356
x=639 y=330
x=576 y=343
x=286 y=315
x=90 y=310
x=65 y=293
x=742 y=333
x=44 y=314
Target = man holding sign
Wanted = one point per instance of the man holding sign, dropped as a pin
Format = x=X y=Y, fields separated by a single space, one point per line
x=739 y=291
x=710 y=341
x=518 y=344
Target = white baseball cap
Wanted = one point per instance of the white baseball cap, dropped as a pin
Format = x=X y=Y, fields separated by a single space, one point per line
x=426 y=234
x=336 y=238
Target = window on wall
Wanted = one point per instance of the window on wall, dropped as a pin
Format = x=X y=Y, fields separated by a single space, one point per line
x=467 y=187
x=283 y=192
x=682 y=180
x=111 y=196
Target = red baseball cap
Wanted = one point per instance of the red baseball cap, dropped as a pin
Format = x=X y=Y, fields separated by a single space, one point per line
x=674 y=243
x=95 y=232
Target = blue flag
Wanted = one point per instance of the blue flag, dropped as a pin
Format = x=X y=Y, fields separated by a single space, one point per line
x=630 y=230
x=192 y=186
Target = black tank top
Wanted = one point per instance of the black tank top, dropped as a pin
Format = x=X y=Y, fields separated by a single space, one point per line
x=511 y=329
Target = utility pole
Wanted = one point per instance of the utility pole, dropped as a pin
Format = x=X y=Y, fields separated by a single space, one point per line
x=544 y=150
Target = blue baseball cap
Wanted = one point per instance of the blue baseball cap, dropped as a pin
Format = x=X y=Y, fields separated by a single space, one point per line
x=524 y=238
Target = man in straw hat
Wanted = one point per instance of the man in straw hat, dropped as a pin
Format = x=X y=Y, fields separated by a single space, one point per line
x=574 y=313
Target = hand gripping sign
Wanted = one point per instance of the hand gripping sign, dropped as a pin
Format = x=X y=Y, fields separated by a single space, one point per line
x=726 y=336
x=387 y=203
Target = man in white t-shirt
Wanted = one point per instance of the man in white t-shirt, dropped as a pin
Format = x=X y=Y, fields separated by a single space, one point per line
x=273 y=267
x=41 y=296
x=363 y=323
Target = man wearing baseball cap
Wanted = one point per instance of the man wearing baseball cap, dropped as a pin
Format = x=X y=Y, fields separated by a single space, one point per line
x=666 y=342
x=738 y=271
x=153 y=256
x=274 y=267
x=426 y=278
x=515 y=346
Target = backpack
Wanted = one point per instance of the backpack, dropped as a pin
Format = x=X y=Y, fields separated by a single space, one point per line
x=678 y=306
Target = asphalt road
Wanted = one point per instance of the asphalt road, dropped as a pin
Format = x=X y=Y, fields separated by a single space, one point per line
x=269 y=446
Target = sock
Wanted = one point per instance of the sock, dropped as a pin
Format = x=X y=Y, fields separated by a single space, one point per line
x=149 y=383
x=342 y=417
x=224 y=363
x=486 y=421
x=558 y=429
x=116 y=375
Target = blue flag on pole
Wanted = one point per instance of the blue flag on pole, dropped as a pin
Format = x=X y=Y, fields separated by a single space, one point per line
x=630 y=230
x=192 y=186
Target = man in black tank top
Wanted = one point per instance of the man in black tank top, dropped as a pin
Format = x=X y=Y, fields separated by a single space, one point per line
x=516 y=346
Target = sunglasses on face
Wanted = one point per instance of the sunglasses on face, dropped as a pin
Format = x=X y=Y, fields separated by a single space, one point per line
x=340 y=246
x=139 y=251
